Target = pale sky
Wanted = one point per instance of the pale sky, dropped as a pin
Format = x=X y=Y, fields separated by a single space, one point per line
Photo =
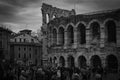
x=26 y=14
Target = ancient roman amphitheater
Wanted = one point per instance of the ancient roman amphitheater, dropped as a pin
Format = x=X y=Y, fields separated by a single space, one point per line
x=77 y=40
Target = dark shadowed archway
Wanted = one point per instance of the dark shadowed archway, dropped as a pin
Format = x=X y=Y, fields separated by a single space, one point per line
x=70 y=35
x=54 y=60
x=82 y=61
x=61 y=35
x=62 y=61
x=95 y=61
x=110 y=31
x=95 y=31
x=81 y=34
x=70 y=61
x=112 y=63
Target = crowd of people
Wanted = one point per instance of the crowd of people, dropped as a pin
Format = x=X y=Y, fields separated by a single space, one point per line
x=50 y=73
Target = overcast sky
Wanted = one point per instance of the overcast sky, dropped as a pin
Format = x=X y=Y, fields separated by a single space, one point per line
x=26 y=14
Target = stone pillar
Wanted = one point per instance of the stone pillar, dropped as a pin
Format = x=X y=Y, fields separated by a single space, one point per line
x=58 y=39
x=102 y=36
x=50 y=17
x=51 y=38
x=65 y=39
x=103 y=62
x=88 y=38
x=76 y=62
x=75 y=38
x=43 y=16
x=66 y=62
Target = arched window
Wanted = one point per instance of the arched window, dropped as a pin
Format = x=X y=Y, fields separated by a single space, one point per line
x=70 y=35
x=61 y=35
x=81 y=34
x=62 y=61
x=95 y=31
x=111 y=31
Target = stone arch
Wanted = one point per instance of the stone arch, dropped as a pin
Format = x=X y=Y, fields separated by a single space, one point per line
x=62 y=61
x=110 y=30
x=70 y=61
x=81 y=33
x=69 y=25
x=61 y=35
x=70 y=34
x=95 y=30
x=95 y=61
x=54 y=59
x=82 y=61
x=112 y=63
x=54 y=31
x=92 y=21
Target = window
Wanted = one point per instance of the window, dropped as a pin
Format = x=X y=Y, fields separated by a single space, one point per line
x=32 y=40
x=24 y=40
x=19 y=55
x=20 y=39
x=19 y=48
x=24 y=49
x=30 y=56
x=15 y=40
x=29 y=49
x=35 y=51
x=24 y=55
x=0 y=44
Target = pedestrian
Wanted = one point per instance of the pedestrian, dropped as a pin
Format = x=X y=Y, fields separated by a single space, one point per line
x=23 y=75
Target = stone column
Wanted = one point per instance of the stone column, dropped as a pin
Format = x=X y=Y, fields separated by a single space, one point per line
x=58 y=38
x=43 y=17
x=76 y=62
x=50 y=17
x=66 y=62
x=88 y=38
x=65 y=39
x=102 y=36
x=75 y=38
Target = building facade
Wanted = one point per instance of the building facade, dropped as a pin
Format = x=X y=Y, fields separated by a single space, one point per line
x=5 y=35
x=90 y=39
x=26 y=49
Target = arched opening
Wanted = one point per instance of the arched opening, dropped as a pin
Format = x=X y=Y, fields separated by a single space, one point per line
x=61 y=35
x=81 y=34
x=71 y=62
x=70 y=35
x=62 y=61
x=54 y=60
x=82 y=61
x=54 y=36
x=95 y=61
x=47 y=18
x=110 y=31
x=112 y=63
x=54 y=16
x=95 y=31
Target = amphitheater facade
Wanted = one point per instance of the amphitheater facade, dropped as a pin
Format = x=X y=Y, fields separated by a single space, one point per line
x=78 y=40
